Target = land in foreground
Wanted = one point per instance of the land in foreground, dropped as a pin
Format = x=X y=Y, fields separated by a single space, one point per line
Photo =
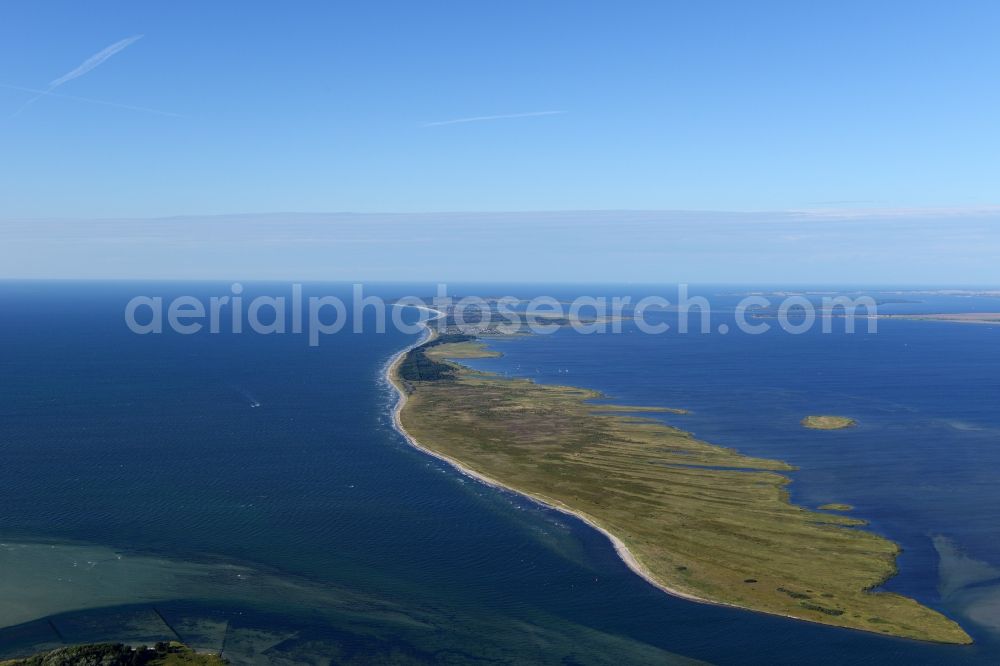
x=117 y=654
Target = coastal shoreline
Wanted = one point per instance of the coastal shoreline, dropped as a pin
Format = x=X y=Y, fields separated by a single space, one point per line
x=390 y=376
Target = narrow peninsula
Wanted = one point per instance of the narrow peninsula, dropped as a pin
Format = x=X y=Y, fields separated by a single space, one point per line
x=699 y=521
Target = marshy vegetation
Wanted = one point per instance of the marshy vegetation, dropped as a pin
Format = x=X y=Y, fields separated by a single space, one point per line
x=700 y=520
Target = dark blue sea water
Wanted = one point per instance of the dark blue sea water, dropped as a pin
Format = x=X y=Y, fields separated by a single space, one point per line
x=249 y=492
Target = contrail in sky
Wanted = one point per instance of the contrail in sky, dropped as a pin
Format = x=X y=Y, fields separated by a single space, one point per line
x=475 y=119
x=95 y=60
x=90 y=100
x=87 y=65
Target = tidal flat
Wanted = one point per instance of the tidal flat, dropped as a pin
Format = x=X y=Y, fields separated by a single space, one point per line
x=697 y=520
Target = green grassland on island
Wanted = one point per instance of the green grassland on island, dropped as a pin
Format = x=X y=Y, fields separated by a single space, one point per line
x=828 y=422
x=698 y=520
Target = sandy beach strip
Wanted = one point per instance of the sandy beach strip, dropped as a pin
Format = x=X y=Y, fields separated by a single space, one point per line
x=391 y=377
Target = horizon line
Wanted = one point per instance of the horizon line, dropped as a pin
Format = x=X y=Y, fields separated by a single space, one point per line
x=818 y=212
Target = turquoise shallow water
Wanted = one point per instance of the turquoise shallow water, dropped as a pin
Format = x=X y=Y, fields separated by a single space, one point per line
x=143 y=495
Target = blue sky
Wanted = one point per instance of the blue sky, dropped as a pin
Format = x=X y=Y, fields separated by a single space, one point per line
x=322 y=106
x=112 y=113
